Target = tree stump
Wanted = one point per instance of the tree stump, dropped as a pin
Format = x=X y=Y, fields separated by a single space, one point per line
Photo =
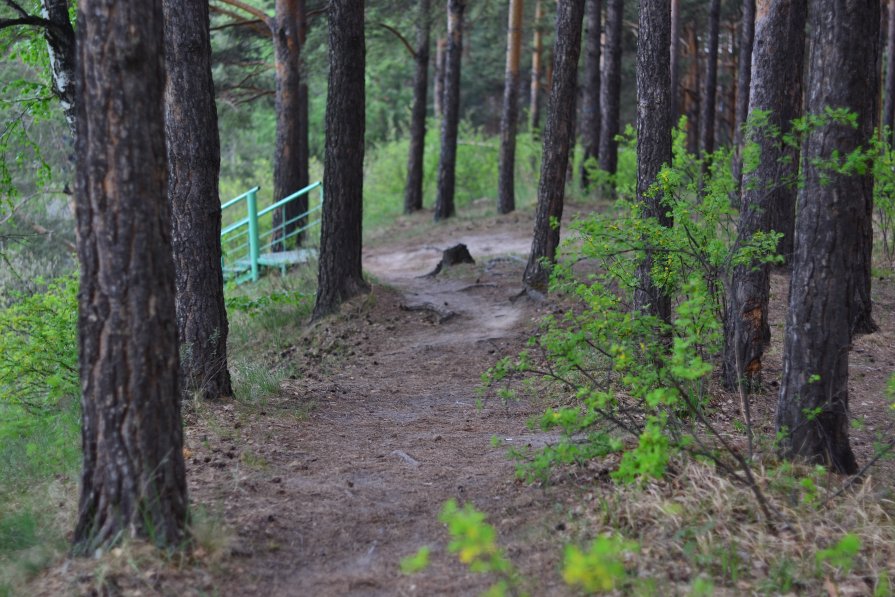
x=457 y=254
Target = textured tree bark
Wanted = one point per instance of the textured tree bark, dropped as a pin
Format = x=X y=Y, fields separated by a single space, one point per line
x=590 y=104
x=291 y=161
x=133 y=482
x=610 y=86
x=675 y=66
x=889 y=105
x=440 y=47
x=812 y=413
x=340 y=275
x=768 y=192
x=744 y=79
x=447 y=164
x=558 y=135
x=194 y=160
x=413 y=192
x=709 y=93
x=691 y=93
x=507 y=163
x=653 y=138
x=534 y=111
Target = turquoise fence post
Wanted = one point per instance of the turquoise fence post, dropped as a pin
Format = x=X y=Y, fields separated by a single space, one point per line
x=254 y=252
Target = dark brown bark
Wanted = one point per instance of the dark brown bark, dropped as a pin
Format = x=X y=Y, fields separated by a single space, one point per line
x=743 y=79
x=133 y=482
x=653 y=139
x=440 y=47
x=675 y=66
x=534 y=111
x=558 y=136
x=447 y=164
x=889 y=105
x=710 y=90
x=691 y=91
x=194 y=159
x=290 y=171
x=413 y=192
x=590 y=102
x=610 y=86
x=340 y=274
x=769 y=191
x=812 y=414
x=507 y=163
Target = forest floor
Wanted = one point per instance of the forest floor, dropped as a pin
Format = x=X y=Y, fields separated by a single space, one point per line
x=323 y=489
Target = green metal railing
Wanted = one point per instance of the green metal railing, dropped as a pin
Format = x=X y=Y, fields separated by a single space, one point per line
x=247 y=244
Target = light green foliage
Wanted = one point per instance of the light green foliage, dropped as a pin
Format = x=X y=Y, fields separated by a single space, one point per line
x=416 y=562
x=884 y=197
x=601 y=568
x=842 y=555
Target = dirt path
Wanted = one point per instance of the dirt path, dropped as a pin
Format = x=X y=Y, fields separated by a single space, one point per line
x=329 y=506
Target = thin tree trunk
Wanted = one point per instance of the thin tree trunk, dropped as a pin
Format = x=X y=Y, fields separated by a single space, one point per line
x=610 y=87
x=194 y=164
x=340 y=274
x=413 y=192
x=558 y=136
x=133 y=482
x=692 y=100
x=440 y=47
x=534 y=112
x=812 y=414
x=60 y=38
x=506 y=169
x=447 y=164
x=889 y=106
x=675 y=68
x=769 y=191
x=709 y=94
x=289 y=174
x=590 y=125
x=744 y=79
x=653 y=139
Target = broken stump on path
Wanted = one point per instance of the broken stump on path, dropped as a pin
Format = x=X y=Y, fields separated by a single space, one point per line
x=456 y=255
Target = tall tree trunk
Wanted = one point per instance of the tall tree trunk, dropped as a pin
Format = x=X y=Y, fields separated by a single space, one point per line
x=590 y=125
x=133 y=482
x=506 y=170
x=812 y=414
x=440 y=47
x=534 y=111
x=413 y=192
x=610 y=86
x=744 y=79
x=889 y=105
x=60 y=36
x=558 y=135
x=291 y=161
x=447 y=164
x=653 y=138
x=194 y=164
x=691 y=93
x=707 y=117
x=769 y=191
x=675 y=67
x=340 y=274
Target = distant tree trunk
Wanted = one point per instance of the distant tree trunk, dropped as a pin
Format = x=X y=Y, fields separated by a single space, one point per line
x=413 y=192
x=558 y=135
x=768 y=192
x=340 y=274
x=447 y=164
x=133 y=482
x=653 y=138
x=707 y=118
x=692 y=100
x=194 y=163
x=744 y=78
x=675 y=68
x=534 y=112
x=889 y=106
x=60 y=36
x=812 y=414
x=506 y=169
x=590 y=125
x=440 y=46
x=290 y=163
x=610 y=86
